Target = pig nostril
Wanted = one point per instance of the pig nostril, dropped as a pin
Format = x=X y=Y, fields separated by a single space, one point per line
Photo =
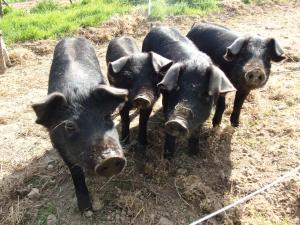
x=118 y=164
x=104 y=168
x=261 y=78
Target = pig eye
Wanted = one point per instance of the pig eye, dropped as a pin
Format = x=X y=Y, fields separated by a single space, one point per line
x=107 y=117
x=70 y=127
x=203 y=95
x=127 y=75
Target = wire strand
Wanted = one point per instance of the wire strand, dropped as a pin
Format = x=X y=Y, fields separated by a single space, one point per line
x=277 y=181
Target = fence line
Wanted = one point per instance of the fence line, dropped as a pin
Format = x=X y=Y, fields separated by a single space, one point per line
x=247 y=197
x=149 y=7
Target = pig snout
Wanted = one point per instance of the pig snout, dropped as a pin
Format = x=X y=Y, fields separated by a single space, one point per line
x=255 y=77
x=142 y=101
x=177 y=127
x=179 y=123
x=144 y=98
x=110 y=163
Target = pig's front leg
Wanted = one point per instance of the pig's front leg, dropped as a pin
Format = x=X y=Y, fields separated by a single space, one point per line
x=144 y=117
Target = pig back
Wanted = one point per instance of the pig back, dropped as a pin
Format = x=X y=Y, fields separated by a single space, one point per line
x=120 y=47
x=168 y=42
x=75 y=67
x=212 y=40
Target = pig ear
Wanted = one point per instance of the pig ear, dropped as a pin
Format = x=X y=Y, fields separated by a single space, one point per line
x=117 y=65
x=234 y=49
x=275 y=50
x=218 y=82
x=110 y=97
x=160 y=63
x=170 y=80
x=47 y=112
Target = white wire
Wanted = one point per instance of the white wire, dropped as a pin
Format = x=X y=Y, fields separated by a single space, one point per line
x=277 y=181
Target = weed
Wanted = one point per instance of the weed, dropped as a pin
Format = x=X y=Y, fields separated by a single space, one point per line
x=44 y=212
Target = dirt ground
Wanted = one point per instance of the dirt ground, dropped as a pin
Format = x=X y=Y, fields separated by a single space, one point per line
x=232 y=164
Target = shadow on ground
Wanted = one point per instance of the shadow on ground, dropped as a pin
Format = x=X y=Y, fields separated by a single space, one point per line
x=150 y=188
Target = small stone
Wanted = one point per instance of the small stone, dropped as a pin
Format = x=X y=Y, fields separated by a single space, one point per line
x=182 y=171
x=164 y=221
x=152 y=217
x=88 y=213
x=98 y=205
x=50 y=167
x=34 y=193
x=51 y=219
x=222 y=175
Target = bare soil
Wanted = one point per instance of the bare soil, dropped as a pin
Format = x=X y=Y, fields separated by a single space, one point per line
x=232 y=163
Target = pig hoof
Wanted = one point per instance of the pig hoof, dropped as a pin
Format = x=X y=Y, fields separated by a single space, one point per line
x=88 y=213
x=235 y=124
x=168 y=155
x=194 y=152
x=142 y=148
x=216 y=125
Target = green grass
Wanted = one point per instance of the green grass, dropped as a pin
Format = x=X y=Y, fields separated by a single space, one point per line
x=44 y=212
x=49 y=20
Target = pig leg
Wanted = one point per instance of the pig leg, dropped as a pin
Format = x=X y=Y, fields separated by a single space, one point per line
x=125 y=120
x=144 y=117
x=82 y=193
x=240 y=97
x=219 y=111
x=81 y=190
x=169 y=147
x=194 y=142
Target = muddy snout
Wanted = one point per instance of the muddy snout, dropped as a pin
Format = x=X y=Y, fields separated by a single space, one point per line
x=177 y=127
x=142 y=101
x=110 y=162
x=255 y=77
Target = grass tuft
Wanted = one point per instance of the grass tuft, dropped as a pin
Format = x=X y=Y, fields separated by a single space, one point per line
x=163 y=8
x=45 y=6
x=44 y=212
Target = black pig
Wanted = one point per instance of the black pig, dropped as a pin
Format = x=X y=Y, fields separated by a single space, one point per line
x=189 y=87
x=246 y=60
x=140 y=73
x=77 y=114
